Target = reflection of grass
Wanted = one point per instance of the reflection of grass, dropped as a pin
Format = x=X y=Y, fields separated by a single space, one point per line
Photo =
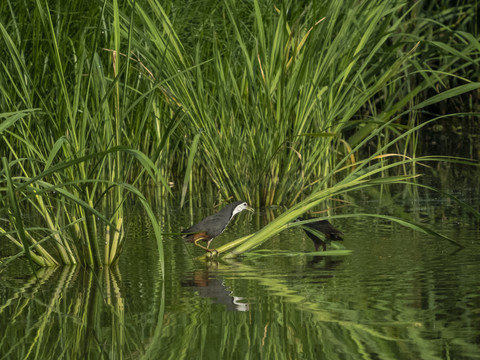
x=284 y=322
x=70 y=323
x=266 y=252
x=72 y=313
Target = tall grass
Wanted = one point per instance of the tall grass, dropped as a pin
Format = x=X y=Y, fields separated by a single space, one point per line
x=283 y=93
x=66 y=140
x=274 y=103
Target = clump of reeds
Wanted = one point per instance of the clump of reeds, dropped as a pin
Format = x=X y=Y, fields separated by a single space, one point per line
x=271 y=103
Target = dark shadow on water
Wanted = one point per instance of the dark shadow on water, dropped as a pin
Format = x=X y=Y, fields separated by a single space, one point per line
x=328 y=263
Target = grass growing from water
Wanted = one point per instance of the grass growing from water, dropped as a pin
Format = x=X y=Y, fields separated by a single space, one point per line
x=68 y=164
x=272 y=103
x=281 y=104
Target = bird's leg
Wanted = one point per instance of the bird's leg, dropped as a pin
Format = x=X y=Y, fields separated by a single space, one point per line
x=203 y=247
x=214 y=252
x=203 y=236
x=208 y=244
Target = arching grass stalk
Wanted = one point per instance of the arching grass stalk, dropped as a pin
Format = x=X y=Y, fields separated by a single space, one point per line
x=366 y=178
x=359 y=175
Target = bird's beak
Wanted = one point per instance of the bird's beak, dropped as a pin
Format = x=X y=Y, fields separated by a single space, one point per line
x=248 y=208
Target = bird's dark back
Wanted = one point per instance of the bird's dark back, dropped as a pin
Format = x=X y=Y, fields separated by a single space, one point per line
x=324 y=227
x=214 y=224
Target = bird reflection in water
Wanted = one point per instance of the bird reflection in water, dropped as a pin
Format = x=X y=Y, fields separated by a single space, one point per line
x=208 y=285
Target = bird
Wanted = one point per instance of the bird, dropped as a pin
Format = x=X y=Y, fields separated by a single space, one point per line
x=213 y=225
x=324 y=227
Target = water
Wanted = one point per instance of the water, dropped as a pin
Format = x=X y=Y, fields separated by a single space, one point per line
x=399 y=295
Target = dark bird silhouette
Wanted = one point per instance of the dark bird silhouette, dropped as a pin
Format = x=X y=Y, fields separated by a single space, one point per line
x=213 y=225
x=324 y=227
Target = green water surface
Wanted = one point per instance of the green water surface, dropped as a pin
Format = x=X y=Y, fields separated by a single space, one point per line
x=398 y=295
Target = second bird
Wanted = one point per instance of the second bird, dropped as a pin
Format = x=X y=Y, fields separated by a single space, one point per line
x=213 y=225
x=324 y=227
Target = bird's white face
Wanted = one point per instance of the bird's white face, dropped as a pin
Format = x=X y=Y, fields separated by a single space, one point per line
x=241 y=207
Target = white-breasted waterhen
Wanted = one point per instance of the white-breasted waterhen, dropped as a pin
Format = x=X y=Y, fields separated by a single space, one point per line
x=212 y=226
x=324 y=227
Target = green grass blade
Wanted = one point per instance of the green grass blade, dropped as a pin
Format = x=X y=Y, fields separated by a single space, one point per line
x=18 y=220
x=188 y=171
x=447 y=94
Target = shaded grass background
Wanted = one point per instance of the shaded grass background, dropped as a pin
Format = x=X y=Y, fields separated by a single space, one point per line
x=282 y=94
